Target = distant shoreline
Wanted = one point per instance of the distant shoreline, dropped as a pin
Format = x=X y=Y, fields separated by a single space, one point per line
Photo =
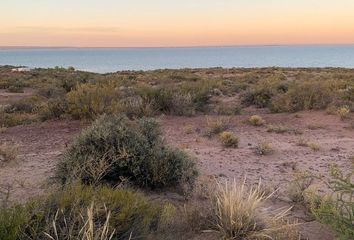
x=182 y=47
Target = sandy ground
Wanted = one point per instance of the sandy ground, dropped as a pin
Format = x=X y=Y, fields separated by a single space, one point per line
x=41 y=144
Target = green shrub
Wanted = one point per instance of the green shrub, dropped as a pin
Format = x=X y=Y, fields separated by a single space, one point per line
x=63 y=215
x=91 y=100
x=304 y=96
x=114 y=147
x=336 y=208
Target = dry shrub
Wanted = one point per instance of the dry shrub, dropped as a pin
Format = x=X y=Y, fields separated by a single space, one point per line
x=216 y=125
x=256 y=120
x=282 y=129
x=228 y=139
x=264 y=148
x=343 y=112
x=8 y=153
x=240 y=214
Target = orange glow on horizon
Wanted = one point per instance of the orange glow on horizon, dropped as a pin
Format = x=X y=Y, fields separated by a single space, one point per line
x=183 y=23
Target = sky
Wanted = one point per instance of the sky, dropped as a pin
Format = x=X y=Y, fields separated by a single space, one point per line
x=175 y=23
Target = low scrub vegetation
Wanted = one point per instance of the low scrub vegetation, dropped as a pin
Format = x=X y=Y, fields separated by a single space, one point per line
x=115 y=147
x=256 y=120
x=336 y=207
x=61 y=92
x=8 y=153
x=228 y=139
x=81 y=212
x=216 y=125
x=264 y=148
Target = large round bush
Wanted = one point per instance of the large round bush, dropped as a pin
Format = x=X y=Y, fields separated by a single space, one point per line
x=115 y=148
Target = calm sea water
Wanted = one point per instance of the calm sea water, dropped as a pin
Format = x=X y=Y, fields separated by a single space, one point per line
x=115 y=59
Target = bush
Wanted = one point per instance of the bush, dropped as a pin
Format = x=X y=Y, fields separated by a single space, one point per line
x=66 y=214
x=264 y=148
x=8 y=153
x=343 y=112
x=91 y=100
x=114 y=147
x=256 y=120
x=336 y=208
x=311 y=95
x=217 y=125
x=228 y=139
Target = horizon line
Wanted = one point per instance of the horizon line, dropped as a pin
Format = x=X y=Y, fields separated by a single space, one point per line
x=187 y=46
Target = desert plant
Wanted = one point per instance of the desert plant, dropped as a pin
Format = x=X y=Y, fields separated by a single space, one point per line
x=228 y=139
x=336 y=208
x=115 y=147
x=313 y=146
x=298 y=186
x=91 y=100
x=282 y=129
x=216 y=125
x=256 y=120
x=264 y=148
x=343 y=112
x=81 y=212
x=240 y=214
x=8 y=153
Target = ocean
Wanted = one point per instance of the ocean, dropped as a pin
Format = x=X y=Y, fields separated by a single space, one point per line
x=104 y=60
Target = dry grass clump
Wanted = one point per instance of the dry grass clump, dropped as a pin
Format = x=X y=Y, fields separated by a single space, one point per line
x=189 y=129
x=256 y=120
x=228 y=139
x=305 y=143
x=240 y=214
x=343 y=112
x=264 y=148
x=282 y=129
x=216 y=125
x=8 y=153
x=313 y=146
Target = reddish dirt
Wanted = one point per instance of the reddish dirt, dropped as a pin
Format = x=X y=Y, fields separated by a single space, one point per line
x=8 y=98
x=41 y=144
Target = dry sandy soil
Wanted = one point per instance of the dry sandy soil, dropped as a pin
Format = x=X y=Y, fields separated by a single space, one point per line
x=41 y=144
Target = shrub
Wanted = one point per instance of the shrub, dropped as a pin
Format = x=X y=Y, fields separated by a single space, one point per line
x=240 y=215
x=91 y=100
x=336 y=208
x=8 y=153
x=282 y=129
x=217 y=125
x=14 y=119
x=114 y=147
x=313 y=146
x=228 y=139
x=343 y=112
x=304 y=96
x=264 y=148
x=78 y=211
x=256 y=120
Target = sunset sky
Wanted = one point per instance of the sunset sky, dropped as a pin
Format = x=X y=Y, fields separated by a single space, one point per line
x=154 y=23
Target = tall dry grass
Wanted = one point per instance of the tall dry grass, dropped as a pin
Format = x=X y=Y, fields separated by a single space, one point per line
x=241 y=214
